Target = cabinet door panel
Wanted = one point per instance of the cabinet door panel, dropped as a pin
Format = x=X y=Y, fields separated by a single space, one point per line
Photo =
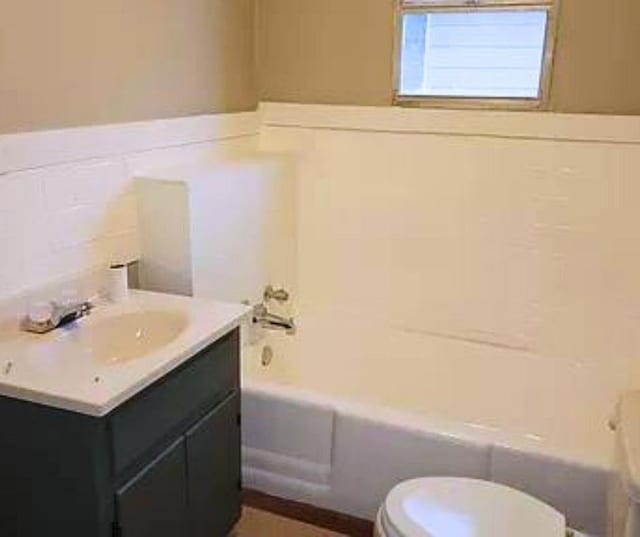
x=160 y=411
x=213 y=467
x=154 y=503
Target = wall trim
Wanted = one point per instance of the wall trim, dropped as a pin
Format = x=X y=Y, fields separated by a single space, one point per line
x=29 y=150
x=38 y=149
x=501 y=124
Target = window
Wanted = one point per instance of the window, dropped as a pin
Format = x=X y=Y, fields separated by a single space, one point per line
x=474 y=52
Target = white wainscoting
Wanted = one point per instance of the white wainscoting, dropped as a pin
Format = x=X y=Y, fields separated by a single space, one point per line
x=66 y=199
x=516 y=230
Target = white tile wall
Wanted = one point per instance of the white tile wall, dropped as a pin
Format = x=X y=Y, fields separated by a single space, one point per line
x=64 y=220
x=518 y=230
x=67 y=204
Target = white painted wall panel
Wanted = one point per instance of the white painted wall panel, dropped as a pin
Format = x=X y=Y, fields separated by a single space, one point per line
x=222 y=230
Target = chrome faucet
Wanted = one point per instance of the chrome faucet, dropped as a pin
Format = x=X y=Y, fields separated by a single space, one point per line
x=58 y=315
x=271 y=321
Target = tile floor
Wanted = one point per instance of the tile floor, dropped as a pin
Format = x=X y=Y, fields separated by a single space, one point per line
x=256 y=523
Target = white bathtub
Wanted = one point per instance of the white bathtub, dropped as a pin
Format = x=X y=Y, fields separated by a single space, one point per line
x=347 y=409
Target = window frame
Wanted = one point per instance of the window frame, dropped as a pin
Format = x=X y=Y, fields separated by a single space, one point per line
x=540 y=102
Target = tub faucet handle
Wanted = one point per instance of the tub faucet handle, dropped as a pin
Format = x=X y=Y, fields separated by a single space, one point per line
x=279 y=295
x=271 y=321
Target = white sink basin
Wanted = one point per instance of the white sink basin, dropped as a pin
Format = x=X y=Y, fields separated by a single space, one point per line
x=98 y=362
x=128 y=336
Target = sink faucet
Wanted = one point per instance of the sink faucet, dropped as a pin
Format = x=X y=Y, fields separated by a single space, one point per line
x=271 y=321
x=55 y=315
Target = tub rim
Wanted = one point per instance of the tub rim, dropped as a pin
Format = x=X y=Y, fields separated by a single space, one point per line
x=430 y=425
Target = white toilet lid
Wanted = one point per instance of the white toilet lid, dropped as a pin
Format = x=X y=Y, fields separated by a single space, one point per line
x=457 y=507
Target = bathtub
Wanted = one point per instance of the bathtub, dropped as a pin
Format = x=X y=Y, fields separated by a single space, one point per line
x=346 y=409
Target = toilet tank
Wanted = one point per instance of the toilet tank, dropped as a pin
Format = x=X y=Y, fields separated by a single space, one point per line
x=624 y=492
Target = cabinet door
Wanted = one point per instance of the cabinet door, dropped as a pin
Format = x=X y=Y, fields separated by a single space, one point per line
x=154 y=503
x=213 y=462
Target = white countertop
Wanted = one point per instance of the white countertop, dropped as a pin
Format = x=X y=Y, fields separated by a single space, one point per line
x=65 y=369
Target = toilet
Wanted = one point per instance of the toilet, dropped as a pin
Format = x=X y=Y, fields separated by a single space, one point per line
x=461 y=507
x=458 y=507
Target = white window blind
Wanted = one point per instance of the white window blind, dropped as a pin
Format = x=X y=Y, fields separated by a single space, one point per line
x=480 y=52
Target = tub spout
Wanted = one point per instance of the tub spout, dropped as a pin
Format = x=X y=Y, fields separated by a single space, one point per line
x=271 y=321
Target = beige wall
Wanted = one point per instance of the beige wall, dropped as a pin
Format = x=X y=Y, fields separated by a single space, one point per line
x=325 y=51
x=597 y=65
x=340 y=52
x=79 y=62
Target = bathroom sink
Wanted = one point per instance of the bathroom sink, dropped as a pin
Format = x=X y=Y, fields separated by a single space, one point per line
x=125 y=337
x=99 y=361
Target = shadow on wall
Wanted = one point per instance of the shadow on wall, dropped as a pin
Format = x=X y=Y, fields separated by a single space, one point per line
x=228 y=230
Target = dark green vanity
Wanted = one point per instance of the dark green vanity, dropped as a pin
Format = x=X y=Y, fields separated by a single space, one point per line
x=166 y=463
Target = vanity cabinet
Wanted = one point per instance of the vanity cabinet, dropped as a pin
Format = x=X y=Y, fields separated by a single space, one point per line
x=214 y=470
x=160 y=490
x=166 y=463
